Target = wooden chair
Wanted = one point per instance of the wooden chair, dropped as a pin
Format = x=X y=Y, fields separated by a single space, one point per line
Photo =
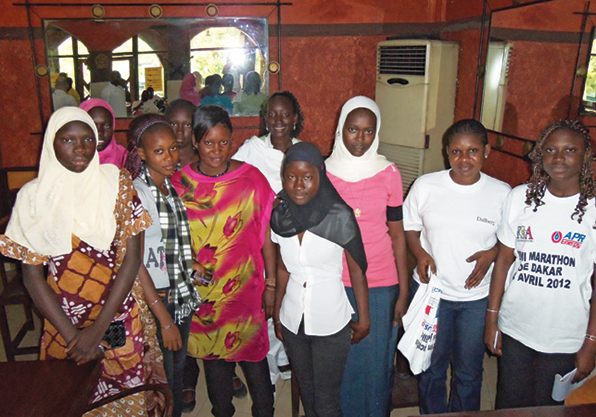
x=14 y=293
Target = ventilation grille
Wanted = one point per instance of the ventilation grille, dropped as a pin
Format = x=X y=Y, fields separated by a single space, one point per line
x=402 y=60
x=408 y=161
x=508 y=60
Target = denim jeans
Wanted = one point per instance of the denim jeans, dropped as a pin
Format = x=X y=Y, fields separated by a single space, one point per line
x=318 y=362
x=368 y=377
x=173 y=361
x=526 y=376
x=460 y=341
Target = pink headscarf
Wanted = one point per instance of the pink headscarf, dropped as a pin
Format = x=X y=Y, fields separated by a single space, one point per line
x=187 y=89
x=113 y=153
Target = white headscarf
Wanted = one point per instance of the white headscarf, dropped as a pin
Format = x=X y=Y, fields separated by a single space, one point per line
x=59 y=203
x=342 y=163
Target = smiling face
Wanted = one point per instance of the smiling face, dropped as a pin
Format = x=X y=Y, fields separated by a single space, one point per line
x=181 y=122
x=301 y=181
x=563 y=157
x=215 y=149
x=466 y=154
x=105 y=126
x=159 y=150
x=280 y=117
x=74 y=145
x=359 y=131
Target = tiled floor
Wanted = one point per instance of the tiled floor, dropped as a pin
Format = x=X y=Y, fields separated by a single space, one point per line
x=283 y=399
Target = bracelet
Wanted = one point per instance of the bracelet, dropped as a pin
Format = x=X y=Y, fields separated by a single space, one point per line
x=154 y=302
x=169 y=326
x=492 y=311
x=270 y=282
x=102 y=348
x=590 y=337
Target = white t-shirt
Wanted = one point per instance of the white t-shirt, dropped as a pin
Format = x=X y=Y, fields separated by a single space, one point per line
x=546 y=302
x=314 y=289
x=116 y=98
x=154 y=255
x=455 y=222
x=259 y=152
x=62 y=99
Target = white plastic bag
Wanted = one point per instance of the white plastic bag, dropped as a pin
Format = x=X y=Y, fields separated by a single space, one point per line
x=420 y=325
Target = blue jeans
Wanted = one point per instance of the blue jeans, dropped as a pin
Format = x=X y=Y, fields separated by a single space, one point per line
x=173 y=361
x=460 y=341
x=368 y=377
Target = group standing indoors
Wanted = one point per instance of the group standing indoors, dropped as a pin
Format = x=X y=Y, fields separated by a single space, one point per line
x=451 y=219
x=372 y=186
x=542 y=311
x=85 y=221
x=102 y=114
x=282 y=120
x=229 y=207
x=167 y=256
x=314 y=227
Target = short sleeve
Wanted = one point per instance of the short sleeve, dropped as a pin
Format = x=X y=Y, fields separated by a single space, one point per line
x=396 y=191
x=274 y=237
x=412 y=219
x=506 y=234
x=13 y=250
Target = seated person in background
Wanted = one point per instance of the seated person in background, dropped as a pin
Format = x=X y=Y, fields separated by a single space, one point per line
x=60 y=97
x=188 y=88
x=228 y=85
x=115 y=94
x=213 y=96
x=107 y=147
x=250 y=100
x=146 y=104
x=71 y=91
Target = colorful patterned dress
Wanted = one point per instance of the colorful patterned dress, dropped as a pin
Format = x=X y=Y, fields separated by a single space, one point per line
x=82 y=281
x=228 y=218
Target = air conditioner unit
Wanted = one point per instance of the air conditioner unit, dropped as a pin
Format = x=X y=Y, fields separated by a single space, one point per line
x=415 y=90
x=496 y=79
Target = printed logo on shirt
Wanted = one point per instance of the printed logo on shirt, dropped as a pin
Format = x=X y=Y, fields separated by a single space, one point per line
x=572 y=239
x=485 y=220
x=524 y=233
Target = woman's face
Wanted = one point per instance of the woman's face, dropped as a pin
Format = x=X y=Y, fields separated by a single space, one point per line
x=181 y=122
x=280 y=117
x=74 y=145
x=563 y=156
x=359 y=131
x=215 y=150
x=301 y=181
x=159 y=150
x=466 y=154
x=105 y=126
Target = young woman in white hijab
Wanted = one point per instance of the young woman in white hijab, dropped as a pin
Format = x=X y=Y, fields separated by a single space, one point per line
x=85 y=221
x=372 y=186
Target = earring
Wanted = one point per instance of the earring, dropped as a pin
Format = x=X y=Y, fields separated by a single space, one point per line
x=485 y=156
x=294 y=126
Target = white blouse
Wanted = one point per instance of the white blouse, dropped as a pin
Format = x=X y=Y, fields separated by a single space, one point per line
x=315 y=289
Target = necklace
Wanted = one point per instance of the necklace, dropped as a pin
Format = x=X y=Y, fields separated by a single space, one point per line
x=357 y=211
x=213 y=176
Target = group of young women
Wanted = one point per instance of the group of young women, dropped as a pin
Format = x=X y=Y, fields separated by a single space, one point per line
x=188 y=251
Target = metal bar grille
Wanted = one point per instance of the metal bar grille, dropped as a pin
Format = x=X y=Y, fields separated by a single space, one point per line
x=402 y=60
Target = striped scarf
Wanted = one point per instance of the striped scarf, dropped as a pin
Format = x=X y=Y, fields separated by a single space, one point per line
x=176 y=235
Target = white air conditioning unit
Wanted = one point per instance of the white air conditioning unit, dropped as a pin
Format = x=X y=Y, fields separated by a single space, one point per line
x=415 y=90
x=496 y=79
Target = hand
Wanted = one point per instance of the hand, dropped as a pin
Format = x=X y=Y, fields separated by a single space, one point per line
x=424 y=262
x=584 y=361
x=171 y=338
x=201 y=270
x=490 y=331
x=483 y=259
x=360 y=330
x=401 y=307
x=84 y=346
x=277 y=325
x=267 y=301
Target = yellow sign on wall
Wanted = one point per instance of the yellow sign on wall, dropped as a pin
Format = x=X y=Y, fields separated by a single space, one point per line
x=153 y=78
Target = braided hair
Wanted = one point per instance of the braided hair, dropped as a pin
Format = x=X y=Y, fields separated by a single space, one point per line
x=297 y=110
x=539 y=180
x=145 y=123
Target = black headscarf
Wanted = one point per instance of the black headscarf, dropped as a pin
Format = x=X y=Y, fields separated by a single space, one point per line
x=326 y=215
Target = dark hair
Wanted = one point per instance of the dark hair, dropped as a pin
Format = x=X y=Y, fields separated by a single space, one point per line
x=207 y=117
x=145 y=123
x=463 y=127
x=213 y=85
x=252 y=83
x=228 y=81
x=296 y=108
x=179 y=104
x=539 y=179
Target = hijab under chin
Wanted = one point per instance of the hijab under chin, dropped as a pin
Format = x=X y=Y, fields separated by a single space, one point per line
x=326 y=214
x=342 y=163
x=60 y=203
